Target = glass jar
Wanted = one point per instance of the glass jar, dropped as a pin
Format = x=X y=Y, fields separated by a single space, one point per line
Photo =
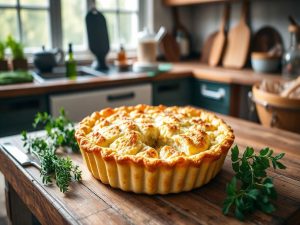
x=291 y=58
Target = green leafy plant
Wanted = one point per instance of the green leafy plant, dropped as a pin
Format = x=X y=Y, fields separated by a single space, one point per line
x=16 y=48
x=60 y=134
x=2 y=50
x=251 y=188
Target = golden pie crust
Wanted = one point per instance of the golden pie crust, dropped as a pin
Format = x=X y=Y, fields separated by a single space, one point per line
x=154 y=149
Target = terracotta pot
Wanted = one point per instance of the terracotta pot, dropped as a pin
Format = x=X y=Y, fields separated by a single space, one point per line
x=3 y=65
x=276 y=111
x=19 y=64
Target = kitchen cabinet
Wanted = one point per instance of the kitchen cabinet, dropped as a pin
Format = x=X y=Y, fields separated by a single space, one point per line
x=80 y=104
x=172 y=92
x=217 y=97
x=17 y=114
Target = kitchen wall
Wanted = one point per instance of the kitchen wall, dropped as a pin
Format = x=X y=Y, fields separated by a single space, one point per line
x=203 y=19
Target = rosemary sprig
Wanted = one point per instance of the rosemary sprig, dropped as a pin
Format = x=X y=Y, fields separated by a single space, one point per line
x=60 y=133
x=251 y=188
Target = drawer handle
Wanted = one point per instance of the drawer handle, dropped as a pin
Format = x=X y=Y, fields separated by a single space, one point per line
x=123 y=96
x=166 y=88
x=217 y=95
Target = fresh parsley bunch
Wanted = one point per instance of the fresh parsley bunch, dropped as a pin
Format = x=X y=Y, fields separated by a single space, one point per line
x=60 y=133
x=251 y=188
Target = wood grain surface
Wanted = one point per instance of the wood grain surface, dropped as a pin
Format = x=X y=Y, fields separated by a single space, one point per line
x=92 y=202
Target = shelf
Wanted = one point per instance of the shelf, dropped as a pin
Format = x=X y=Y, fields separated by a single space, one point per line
x=190 y=2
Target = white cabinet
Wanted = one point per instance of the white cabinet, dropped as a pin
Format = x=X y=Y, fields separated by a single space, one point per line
x=82 y=104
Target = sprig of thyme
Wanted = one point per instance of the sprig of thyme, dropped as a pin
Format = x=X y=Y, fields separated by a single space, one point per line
x=60 y=133
x=251 y=188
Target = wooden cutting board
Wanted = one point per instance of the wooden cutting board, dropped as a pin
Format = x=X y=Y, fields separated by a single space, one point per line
x=169 y=48
x=238 y=42
x=206 y=49
x=220 y=40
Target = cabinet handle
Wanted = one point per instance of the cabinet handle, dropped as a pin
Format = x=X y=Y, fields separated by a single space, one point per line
x=165 y=88
x=123 y=96
x=217 y=95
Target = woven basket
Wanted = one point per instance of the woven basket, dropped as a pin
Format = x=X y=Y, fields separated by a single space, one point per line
x=276 y=111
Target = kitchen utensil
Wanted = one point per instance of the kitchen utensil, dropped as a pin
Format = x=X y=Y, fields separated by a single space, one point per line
x=181 y=34
x=276 y=111
x=238 y=42
x=265 y=39
x=97 y=37
x=20 y=156
x=206 y=49
x=219 y=40
x=169 y=48
x=160 y=34
x=264 y=62
x=45 y=61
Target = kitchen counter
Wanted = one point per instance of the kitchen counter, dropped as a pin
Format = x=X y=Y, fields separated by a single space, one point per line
x=92 y=202
x=179 y=70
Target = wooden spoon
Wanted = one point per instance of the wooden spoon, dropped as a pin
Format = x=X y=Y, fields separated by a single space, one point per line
x=220 y=40
x=238 y=43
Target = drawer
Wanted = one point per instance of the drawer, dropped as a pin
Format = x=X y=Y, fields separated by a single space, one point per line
x=212 y=96
x=18 y=114
x=79 y=105
x=172 y=92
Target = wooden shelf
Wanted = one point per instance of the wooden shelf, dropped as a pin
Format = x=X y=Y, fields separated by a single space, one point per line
x=190 y=2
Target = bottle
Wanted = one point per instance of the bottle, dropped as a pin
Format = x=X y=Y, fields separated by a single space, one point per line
x=291 y=58
x=70 y=63
x=121 y=55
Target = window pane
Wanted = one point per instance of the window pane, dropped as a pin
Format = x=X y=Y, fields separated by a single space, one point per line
x=8 y=2
x=35 y=28
x=73 y=21
x=8 y=21
x=106 y=4
x=129 y=29
x=129 y=5
x=111 y=23
x=34 y=2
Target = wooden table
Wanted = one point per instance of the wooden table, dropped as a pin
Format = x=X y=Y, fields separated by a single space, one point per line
x=95 y=203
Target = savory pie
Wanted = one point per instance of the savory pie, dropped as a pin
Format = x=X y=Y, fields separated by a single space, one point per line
x=154 y=149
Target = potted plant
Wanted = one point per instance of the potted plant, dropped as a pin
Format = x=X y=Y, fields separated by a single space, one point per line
x=3 y=61
x=19 y=62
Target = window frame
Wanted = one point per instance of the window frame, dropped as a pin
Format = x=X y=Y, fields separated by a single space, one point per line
x=54 y=8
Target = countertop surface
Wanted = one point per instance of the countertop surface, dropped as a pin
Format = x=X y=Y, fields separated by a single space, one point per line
x=179 y=70
x=92 y=202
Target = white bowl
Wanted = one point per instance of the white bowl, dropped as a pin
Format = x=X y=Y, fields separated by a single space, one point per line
x=264 y=63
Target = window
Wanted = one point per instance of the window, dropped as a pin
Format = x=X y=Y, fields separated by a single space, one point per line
x=26 y=20
x=122 y=20
x=57 y=23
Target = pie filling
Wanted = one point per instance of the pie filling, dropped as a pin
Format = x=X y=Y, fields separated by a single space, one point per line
x=156 y=132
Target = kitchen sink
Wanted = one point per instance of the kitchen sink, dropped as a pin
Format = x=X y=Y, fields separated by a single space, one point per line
x=59 y=73
x=83 y=73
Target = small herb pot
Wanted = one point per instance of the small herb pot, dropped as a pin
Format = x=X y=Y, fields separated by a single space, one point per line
x=19 y=64
x=3 y=65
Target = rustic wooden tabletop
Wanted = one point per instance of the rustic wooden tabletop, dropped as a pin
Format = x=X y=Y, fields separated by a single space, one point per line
x=92 y=202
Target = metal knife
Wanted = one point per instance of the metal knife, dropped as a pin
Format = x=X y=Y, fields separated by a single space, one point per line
x=22 y=158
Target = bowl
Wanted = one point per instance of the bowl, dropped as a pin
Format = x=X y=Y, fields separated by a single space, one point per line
x=263 y=62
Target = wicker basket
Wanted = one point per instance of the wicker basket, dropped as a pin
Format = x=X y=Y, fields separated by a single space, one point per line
x=276 y=111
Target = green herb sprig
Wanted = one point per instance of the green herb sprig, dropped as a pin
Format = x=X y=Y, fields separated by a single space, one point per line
x=60 y=133
x=251 y=188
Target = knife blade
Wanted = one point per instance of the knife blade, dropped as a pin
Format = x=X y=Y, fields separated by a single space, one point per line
x=22 y=158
